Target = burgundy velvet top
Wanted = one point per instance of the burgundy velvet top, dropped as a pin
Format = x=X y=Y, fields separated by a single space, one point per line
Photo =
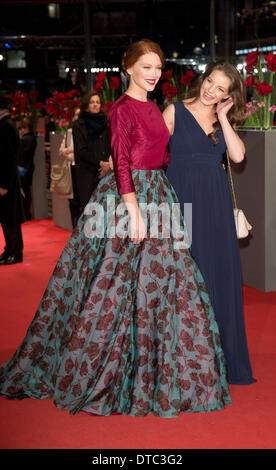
x=139 y=139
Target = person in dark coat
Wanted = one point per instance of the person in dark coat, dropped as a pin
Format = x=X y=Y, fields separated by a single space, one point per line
x=11 y=206
x=26 y=163
x=91 y=146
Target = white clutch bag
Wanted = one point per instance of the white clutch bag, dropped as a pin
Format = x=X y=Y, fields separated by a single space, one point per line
x=242 y=225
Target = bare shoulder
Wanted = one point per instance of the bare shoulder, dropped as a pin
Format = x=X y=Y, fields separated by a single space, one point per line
x=169 y=110
x=188 y=102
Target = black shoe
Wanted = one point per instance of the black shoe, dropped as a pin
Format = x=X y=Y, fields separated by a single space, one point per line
x=11 y=259
x=3 y=256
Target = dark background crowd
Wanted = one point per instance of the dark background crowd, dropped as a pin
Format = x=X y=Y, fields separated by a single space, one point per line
x=256 y=22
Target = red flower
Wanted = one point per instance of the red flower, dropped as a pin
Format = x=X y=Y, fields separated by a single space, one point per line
x=16 y=100
x=77 y=103
x=51 y=106
x=190 y=74
x=167 y=75
x=72 y=104
x=114 y=83
x=172 y=91
x=59 y=97
x=68 y=115
x=251 y=81
x=252 y=57
x=263 y=89
x=38 y=105
x=187 y=78
x=164 y=87
x=20 y=99
x=23 y=107
x=271 y=62
x=33 y=94
x=100 y=76
x=107 y=105
x=249 y=68
x=70 y=94
x=98 y=86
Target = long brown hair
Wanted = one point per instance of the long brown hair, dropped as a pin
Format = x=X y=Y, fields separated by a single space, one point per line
x=235 y=115
x=137 y=49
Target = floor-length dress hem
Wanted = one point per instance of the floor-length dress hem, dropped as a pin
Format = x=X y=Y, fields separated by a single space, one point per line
x=198 y=177
x=122 y=327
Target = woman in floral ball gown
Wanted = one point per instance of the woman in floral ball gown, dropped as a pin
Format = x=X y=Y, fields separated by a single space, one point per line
x=125 y=324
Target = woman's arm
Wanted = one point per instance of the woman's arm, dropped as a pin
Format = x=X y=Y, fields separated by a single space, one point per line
x=121 y=131
x=137 y=224
x=234 y=144
x=168 y=115
x=66 y=152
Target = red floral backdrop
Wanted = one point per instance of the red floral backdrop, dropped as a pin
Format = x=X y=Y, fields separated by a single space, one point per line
x=261 y=109
x=174 y=86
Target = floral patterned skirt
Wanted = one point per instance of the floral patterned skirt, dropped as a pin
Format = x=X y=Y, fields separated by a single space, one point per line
x=121 y=327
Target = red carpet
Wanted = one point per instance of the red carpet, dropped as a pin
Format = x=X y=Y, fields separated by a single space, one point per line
x=37 y=424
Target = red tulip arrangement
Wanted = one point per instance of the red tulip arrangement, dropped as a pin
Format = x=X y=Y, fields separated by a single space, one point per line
x=175 y=88
x=61 y=106
x=108 y=88
x=25 y=105
x=260 y=111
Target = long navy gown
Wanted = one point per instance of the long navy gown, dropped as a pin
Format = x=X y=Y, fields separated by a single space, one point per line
x=198 y=177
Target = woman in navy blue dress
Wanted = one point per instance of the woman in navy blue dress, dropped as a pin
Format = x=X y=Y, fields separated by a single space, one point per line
x=201 y=129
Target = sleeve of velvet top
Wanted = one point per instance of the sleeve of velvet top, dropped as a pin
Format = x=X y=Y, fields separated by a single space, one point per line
x=120 y=129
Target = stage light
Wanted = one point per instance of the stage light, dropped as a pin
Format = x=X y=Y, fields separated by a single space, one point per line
x=53 y=10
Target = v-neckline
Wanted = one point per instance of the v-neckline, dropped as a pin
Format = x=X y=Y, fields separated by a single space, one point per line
x=196 y=121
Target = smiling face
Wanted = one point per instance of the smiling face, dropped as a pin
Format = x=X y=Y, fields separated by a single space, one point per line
x=214 y=88
x=145 y=73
